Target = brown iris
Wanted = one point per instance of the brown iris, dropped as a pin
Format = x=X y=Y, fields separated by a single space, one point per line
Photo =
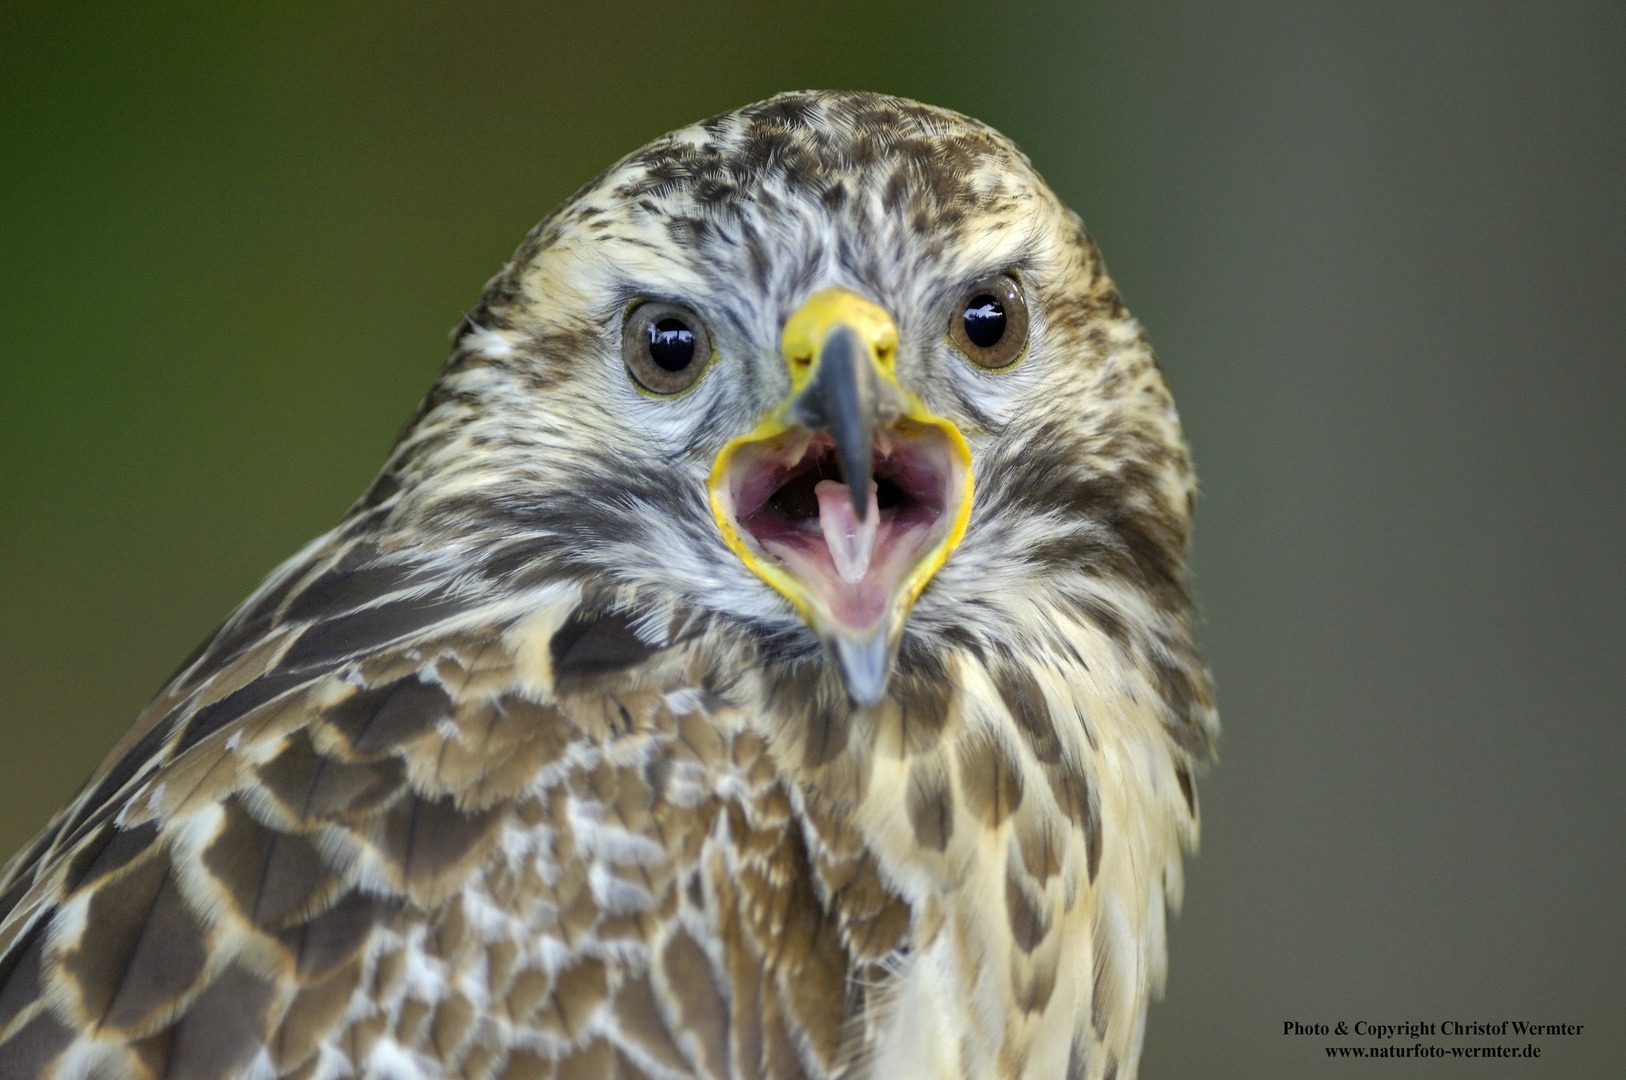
x=990 y=322
x=665 y=347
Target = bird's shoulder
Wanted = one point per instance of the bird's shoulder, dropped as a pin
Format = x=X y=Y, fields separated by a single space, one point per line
x=379 y=820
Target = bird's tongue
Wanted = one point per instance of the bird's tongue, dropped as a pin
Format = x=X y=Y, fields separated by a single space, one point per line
x=851 y=542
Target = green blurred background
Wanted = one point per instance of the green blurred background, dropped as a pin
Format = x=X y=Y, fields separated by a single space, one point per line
x=1379 y=249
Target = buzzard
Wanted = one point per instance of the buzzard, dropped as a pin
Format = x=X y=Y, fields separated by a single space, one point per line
x=766 y=654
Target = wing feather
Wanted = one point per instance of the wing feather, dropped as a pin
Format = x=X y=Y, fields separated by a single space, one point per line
x=353 y=832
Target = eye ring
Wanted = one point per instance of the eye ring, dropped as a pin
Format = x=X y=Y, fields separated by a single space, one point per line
x=990 y=322
x=665 y=347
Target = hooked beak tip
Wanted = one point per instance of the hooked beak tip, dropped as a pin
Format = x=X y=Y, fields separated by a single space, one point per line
x=866 y=667
x=860 y=496
x=843 y=398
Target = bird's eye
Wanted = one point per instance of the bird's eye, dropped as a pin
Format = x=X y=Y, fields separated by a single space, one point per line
x=665 y=347
x=990 y=323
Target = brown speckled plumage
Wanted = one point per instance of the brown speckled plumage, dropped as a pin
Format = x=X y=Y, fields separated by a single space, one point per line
x=521 y=773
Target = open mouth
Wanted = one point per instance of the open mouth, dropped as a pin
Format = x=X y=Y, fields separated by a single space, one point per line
x=790 y=504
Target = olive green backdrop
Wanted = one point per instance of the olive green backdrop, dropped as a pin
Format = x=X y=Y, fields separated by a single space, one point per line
x=1378 y=247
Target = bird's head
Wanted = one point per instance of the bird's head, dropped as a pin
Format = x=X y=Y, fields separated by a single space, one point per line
x=837 y=371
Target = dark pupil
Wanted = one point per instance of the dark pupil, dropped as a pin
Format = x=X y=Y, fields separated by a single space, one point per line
x=671 y=344
x=984 y=321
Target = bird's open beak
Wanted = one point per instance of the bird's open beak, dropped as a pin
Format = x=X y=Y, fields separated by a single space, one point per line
x=849 y=495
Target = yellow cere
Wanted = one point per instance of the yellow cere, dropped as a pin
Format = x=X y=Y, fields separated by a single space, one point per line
x=806 y=330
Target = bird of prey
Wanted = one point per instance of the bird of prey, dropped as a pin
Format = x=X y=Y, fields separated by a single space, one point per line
x=766 y=654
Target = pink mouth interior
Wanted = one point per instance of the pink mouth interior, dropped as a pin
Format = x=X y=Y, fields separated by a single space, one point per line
x=790 y=496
